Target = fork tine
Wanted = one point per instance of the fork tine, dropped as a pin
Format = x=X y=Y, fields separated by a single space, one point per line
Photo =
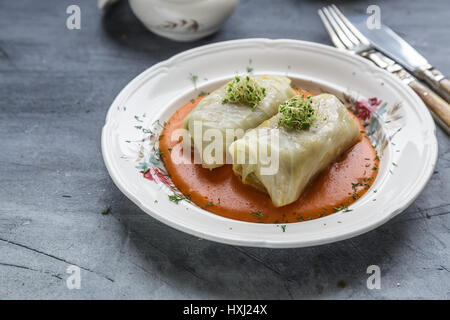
x=343 y=26
x=338 y=29
x=351 y=27
x=334 y=38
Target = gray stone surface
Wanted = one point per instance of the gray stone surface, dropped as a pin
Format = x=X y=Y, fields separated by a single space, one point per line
x=55 y=88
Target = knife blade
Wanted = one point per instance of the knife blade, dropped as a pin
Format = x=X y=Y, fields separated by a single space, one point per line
x=387 y=41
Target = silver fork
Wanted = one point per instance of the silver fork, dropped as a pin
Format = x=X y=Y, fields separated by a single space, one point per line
x=346 y=36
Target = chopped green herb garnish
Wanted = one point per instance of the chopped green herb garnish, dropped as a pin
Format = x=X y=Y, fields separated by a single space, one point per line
x=258 y=214
x=176 y=198
x=343 y=208
x=283 y=227
x=193 y=78
x=209 y=204
x=106 y=210
x=297 y=113
x=244 y=90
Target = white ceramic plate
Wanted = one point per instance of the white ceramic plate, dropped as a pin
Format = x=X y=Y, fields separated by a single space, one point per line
x=402 y=130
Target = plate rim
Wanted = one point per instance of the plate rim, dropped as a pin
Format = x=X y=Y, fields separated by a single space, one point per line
x=231 y=239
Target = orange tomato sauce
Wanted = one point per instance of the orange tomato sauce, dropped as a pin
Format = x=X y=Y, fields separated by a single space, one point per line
x=221 y=192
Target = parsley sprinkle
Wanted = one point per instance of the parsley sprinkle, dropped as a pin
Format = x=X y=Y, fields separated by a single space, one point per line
x=257 y=214
x=343 y=208
x=106 y=210
x=283 y=227
x=209 y=204
x=176 y=198
x=193 y=78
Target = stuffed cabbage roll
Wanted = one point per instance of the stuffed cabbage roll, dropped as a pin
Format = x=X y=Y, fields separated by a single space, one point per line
x=306 y=136
x=241 y=104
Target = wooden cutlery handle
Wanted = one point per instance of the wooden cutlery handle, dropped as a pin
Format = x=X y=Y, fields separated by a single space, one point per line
x=444 y=85
x=436 y=80
x=435 y=103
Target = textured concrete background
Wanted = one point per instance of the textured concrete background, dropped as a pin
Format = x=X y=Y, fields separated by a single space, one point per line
x=55 y=88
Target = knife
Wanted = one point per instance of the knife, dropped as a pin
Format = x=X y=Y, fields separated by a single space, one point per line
x=345 y=35
x=439 y=109
x=390 y=43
